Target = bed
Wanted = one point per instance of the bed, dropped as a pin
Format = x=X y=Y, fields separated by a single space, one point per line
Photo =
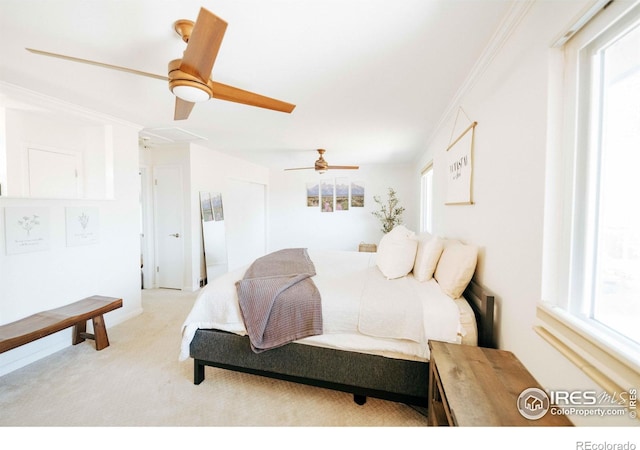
x=375 y=329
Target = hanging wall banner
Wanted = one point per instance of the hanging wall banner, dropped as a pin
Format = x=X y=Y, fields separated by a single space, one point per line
x=27 y=229
x=460 y=169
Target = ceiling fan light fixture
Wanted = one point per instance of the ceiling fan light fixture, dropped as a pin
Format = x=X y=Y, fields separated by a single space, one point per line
x=189 y=93
x=186 y=86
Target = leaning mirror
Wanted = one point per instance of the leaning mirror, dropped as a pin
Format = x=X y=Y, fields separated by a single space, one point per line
x=213 y=234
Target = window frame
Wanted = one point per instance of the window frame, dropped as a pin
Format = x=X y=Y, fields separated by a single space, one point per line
x=426 y=198
x=613 y=363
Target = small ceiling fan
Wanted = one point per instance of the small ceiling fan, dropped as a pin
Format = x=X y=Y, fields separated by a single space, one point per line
x=189 y=77
x=321 y=165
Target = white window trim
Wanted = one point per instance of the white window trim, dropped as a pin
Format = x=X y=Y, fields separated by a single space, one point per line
x=424 y=227
x=603 y=362
x=612 y=366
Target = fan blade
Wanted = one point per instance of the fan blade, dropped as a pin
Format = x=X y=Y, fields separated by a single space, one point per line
x=183 y=109
x=301 y=168
x=343 y=167
x=204 y=43
x=232 y=94
x=99 y=64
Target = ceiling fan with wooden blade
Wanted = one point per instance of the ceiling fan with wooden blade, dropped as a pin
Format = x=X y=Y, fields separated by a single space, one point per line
x=322 y=166
x=189 y=77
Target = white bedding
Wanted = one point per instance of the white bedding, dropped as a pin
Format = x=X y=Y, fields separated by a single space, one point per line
x=362 y=310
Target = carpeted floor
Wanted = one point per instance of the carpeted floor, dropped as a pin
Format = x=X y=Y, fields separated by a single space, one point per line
x=139 y=382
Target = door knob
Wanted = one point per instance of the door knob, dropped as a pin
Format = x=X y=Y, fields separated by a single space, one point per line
x=175 y=235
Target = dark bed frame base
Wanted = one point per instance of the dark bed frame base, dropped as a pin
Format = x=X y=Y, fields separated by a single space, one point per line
x=360 y=374
x=357 y=373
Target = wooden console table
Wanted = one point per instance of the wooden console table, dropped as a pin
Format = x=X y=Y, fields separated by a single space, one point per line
x=476 y=386
x=371 y=248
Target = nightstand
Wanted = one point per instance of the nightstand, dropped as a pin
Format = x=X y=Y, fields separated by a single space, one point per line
x=477 y=386
x=371 y=248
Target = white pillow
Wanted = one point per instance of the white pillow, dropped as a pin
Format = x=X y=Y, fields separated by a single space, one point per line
x=397 y=252
x=456 y=267
x=427 y=256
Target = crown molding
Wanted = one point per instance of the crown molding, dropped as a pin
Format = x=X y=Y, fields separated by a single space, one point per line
x=12 y=95
x=510 y=22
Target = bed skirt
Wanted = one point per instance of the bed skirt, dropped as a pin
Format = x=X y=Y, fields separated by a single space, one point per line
x=361 y=374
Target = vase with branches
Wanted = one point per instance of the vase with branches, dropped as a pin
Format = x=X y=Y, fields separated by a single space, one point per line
x=390 y=213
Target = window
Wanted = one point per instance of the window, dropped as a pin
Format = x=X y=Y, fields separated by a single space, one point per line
x=426 y=199
x=611 y=285
x=592 y=229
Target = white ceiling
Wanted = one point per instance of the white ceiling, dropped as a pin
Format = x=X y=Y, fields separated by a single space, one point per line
x=371 y=78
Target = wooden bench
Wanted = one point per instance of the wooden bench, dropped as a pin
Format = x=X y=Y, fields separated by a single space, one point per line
x=74 y=315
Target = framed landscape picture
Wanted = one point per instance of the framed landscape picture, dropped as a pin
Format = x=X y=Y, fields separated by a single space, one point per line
x=313 y=194
x=342 y=194
x=357 y=194
x=327 y=190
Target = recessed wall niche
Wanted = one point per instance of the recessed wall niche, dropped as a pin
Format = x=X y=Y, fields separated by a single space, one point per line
x=52 y=151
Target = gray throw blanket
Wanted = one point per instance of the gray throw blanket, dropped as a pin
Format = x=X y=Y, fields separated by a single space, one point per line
x=278 y=299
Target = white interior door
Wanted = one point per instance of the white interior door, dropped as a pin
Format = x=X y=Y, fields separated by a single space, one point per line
x=245 y=217
x=168 y=218
x=54 y=173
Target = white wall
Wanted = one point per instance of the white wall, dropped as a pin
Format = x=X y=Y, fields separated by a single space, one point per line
x=32 y=282
x=509 y=102
x=214 y=171
x=293 y=224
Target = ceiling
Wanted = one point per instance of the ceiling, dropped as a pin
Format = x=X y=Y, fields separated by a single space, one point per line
x=371 y=79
